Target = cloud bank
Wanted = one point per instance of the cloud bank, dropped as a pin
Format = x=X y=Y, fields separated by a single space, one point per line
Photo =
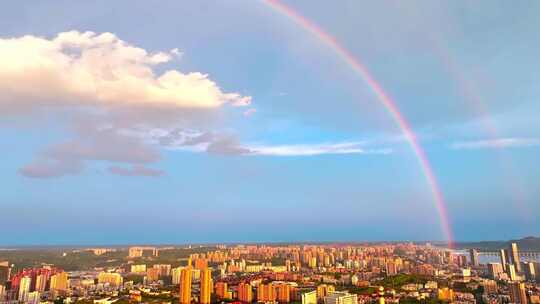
x=104 y=89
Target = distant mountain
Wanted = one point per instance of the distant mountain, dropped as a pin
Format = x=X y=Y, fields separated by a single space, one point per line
x=527 y=243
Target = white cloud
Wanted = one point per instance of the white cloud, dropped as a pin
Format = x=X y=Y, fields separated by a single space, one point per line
x=99 y=68
x=498 y=143
x=228 y=144
x=315 y=149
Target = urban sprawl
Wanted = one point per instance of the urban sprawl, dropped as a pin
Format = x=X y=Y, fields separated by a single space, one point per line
x=292 y=273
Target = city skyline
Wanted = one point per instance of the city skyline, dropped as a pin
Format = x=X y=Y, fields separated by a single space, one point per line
x=270 y=273
x=268 y=121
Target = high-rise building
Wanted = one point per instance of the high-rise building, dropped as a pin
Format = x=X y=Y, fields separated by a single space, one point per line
x=201 y=263
x=206 y=286
x=495 y=270
x=152 y=275
x=175 y=275
x=490 y=286
x=140 y=268
x=163 y=269
x=327 y=261
x=59 y=284
x=309 y=297
x=391 y=268
x=313 y=262
x=41 y=282
x=185 y=285
x=24 y=289
x=504 y=260
x=266 y=293
x=462 y=260
x=324 y=290
x=474 y=256
x=222 y=290
x=283 y=293
x=245 y=293
x=2 y=293
x=34 y=297
x=5 y=271
x=195 y=274
x=515 y=256
x=511 y=271
x=112 y=278
x=341 y=297
x=59 y=281
x=530 y=271
x=517 y=293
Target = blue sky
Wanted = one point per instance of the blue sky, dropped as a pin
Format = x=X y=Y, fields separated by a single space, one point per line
x=257 y=130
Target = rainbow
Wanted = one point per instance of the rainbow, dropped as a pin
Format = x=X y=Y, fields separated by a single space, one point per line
x=478 y=105
x=382 y=97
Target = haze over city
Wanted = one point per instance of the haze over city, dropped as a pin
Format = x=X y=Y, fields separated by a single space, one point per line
x=180 y=122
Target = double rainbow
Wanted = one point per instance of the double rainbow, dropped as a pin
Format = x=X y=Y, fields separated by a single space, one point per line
x=382 y=96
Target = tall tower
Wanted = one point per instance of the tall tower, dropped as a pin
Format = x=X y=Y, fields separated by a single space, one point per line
x=515 y=256
x=530 y=271
x=185 y=286
x=24 y=289
x=511 y=272
x=504 y=259
x=206 y=286
x=474 y=257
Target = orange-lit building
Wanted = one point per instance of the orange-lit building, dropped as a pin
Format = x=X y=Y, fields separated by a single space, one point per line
x=445 y=294
x=266 y=293
x=206 y=286
x=152 y=275
x=245 y=293
x=201 y=263
x=324 y=290
x=59 y=281
x=185 y=286
x=222 y=290
x=283 y=292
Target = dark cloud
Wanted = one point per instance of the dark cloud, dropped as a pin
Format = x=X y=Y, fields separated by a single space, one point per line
x=91 y=144
x=227 y=145
x=184 y=138
x=203 y=138
x=105 y=145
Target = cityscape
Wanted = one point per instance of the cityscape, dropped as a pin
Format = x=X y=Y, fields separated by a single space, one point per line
x=270 y=151
x=401 y=272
